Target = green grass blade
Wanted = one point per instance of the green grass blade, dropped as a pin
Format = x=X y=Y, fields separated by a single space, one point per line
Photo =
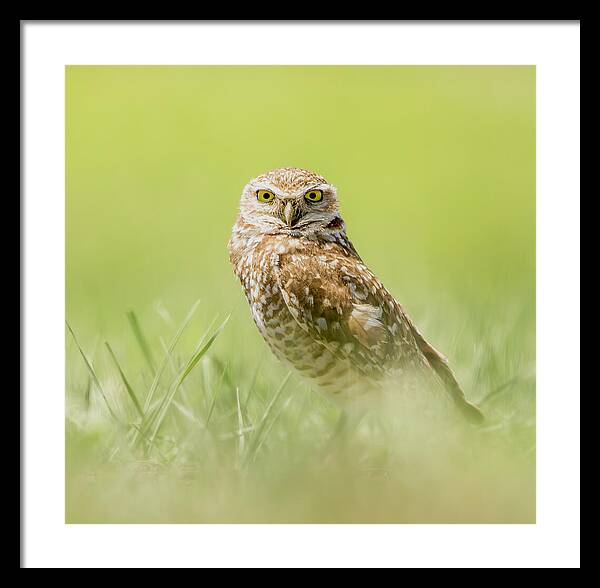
x=88 y=390
x=256 y=437
x=166 y=358
x=141 y=340
x=200 y=352
x=188 y=414
x=252 y=385
x=269 y=427
x=128 y=387
x=241 y=438
x=142 y=434
x=215 y=396
x=504 y=387
x=92 y=373
x=228 y=381
x=192 y=362
x=154 y=386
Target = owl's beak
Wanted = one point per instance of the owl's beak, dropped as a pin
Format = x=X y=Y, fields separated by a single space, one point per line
x=290 y=214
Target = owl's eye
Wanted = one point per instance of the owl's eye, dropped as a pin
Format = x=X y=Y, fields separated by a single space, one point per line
x=314 y=195
x=265 y=196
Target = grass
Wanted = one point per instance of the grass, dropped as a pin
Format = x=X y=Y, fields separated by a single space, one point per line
x=173 y=416
x=222 y=442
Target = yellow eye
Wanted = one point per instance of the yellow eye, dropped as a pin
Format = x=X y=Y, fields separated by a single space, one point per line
x=314 y=195
x=265 y=195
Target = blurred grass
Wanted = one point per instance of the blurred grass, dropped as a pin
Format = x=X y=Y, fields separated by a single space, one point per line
x=435 y=168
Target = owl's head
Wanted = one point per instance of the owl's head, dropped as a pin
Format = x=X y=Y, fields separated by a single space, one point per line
x=289 y=200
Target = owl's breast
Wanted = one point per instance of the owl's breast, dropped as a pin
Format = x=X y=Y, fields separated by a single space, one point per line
x=255 y=268
x=257 y=272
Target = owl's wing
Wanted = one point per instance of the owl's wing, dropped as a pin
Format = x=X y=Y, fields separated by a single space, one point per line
x=344 y=307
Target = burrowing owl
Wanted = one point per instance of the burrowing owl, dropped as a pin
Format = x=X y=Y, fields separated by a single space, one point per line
x=316 y=303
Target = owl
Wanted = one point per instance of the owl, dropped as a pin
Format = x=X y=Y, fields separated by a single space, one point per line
x=318 y=306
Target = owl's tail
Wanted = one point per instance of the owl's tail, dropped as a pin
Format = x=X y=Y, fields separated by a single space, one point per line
x=440 y=365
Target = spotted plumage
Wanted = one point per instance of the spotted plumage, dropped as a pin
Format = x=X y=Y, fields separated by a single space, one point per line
x=317 y=305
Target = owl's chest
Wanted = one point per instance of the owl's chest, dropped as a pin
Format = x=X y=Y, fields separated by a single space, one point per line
x=257 y=272
x=258 y=268
x=258 y=275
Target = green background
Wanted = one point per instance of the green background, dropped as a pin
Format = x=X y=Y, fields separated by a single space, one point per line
x=435 y=169
x=434 y=165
